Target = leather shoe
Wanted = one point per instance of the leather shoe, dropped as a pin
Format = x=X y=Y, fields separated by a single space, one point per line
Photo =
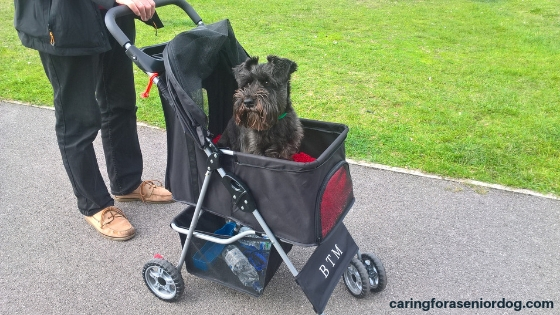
x=112 y=224
x=149 y=191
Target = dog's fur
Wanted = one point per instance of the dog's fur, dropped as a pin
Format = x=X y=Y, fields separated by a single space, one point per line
x=258 y=125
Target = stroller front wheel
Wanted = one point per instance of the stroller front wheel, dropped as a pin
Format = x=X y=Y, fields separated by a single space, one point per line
x=356 y=278
x=163 y=279
x=376 y=272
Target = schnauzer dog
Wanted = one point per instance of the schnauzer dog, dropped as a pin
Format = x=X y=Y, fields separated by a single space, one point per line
x=264 y=121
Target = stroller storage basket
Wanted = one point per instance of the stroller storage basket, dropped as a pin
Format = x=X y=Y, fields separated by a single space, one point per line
x=204 y=258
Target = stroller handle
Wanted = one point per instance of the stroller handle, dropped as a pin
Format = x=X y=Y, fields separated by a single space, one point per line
x=122 y=10
x=143 y=60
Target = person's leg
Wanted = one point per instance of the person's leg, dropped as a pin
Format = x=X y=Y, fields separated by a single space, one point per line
x=117 y=101
x=78 y=121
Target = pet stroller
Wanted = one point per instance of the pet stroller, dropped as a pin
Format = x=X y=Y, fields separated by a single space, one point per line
x=245 y=212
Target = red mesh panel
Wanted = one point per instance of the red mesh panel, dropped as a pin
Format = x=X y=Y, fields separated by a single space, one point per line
x=335 y=200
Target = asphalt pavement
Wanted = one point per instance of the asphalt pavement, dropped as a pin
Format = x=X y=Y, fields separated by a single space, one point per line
x=439 y=240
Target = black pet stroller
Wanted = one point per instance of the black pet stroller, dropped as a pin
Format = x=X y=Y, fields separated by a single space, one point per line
x=224 y=237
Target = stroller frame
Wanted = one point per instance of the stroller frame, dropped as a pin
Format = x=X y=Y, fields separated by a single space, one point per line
x=213 y=154
x=364 y=273
x=245 y=197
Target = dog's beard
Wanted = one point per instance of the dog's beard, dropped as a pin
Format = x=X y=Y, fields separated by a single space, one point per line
x=257 y=117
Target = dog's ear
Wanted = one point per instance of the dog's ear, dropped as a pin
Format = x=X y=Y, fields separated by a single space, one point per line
x=243 y=70
x=250 y=62
x=281 y=67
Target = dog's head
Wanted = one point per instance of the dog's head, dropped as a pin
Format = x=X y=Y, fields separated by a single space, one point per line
x=263 y=93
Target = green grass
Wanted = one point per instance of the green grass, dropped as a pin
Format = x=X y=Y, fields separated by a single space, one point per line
x=466 y=89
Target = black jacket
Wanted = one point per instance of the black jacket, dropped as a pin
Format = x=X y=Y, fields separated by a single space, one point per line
x=62 y=27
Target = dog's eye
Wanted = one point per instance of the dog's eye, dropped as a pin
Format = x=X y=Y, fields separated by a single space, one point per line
x=267 y=82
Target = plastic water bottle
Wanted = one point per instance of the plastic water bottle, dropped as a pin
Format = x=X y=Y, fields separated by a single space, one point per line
x=256 y=243
x=240 y=266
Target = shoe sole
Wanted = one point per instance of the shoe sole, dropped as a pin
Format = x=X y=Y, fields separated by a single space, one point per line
x=118 y=239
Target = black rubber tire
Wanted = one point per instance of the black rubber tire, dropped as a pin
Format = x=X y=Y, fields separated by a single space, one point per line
x=163 y=279
x=376 y=272
x=356 y=278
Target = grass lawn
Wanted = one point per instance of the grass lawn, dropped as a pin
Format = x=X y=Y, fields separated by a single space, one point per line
x=465 y=89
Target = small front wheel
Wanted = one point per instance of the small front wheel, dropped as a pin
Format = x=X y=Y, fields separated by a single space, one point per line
x=376 y=272
x=356 y=278
x=163 y=279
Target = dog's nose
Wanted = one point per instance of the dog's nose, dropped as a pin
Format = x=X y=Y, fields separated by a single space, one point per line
x=248 y=102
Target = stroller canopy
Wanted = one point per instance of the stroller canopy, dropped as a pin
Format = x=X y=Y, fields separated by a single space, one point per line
x=197 y=60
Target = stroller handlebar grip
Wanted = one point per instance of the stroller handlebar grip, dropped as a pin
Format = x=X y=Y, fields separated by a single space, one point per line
x=144 y=61
x=122 y=10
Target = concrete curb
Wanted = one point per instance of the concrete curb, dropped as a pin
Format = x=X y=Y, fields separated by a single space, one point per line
x=462 y=181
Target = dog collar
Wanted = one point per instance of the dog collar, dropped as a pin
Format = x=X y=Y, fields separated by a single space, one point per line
x=282 y=116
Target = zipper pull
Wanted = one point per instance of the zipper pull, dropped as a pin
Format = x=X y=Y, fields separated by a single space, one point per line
x=155 y=26
x=51 y=35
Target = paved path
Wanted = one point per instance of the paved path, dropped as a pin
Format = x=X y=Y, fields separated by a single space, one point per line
x=438 y=239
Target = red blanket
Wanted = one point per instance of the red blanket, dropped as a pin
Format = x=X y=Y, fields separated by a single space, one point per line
x=300 y=157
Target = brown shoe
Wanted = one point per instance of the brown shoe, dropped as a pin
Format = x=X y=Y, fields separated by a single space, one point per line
x=149 y=191
x=112 y=224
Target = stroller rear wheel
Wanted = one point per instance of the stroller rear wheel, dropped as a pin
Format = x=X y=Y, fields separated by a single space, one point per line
x=376 y=272
x=356 y=278
x=163 y=279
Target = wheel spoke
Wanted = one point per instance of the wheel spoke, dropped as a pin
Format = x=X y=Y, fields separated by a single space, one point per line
x=154 y=273
x=170 y=287
x=351 y=276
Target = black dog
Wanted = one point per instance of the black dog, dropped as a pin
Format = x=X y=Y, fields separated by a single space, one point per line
x=264 y=121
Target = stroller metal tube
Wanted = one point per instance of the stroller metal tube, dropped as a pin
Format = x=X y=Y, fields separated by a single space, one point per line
x=261 y=221
x=212 y=238
x=274 y=241
x=227 y=152
x=194 y=221
x=197 y=212
x=190 y=232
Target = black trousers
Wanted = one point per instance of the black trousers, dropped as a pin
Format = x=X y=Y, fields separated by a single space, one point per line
x=92 y=93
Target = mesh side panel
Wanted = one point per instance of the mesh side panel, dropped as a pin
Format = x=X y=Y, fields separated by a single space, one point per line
x=336 y=198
